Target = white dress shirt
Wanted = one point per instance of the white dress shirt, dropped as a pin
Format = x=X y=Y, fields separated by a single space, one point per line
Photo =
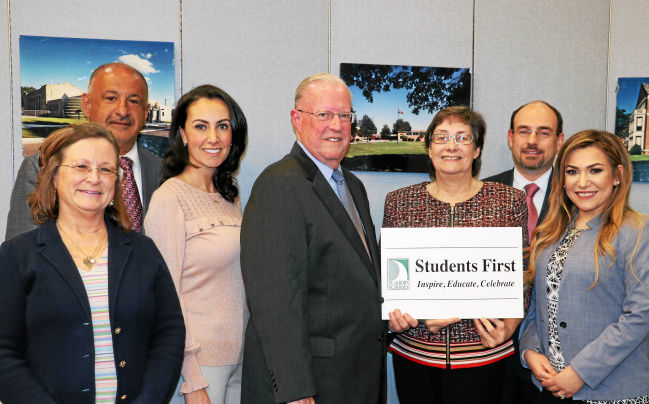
x=137 y=169
x=541 y=182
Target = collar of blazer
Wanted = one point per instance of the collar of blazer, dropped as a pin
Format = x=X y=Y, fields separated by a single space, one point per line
x=54 y=251
x=337 y=210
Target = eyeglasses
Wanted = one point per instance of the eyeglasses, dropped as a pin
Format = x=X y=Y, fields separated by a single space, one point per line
x=84 y=170
x=460 y=138
x=542 y=133
x=347 y=117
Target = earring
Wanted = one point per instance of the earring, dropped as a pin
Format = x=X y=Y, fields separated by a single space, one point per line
x=617 y=183
x=111 y=204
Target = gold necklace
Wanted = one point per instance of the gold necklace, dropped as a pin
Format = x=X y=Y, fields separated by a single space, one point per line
x=89 y=259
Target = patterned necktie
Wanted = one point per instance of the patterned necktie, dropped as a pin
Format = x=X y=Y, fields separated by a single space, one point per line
x=130 y=194
x=532 y=214
x=348 y=203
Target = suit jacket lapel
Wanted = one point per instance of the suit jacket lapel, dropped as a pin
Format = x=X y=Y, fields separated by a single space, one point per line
x=336 y=209
x=370 y=237
x=57 y=254
x=508 y=177
x=150 y=177
x=119 y=252
x=544 y=208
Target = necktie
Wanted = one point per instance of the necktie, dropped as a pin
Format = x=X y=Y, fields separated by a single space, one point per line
x=348 y=203
x=532 y=214
x=130 y=194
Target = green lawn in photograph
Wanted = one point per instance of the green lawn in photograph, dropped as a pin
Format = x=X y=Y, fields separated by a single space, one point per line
x=372 y=149
x=43 y=120
x=639 y=158
x=48 y=120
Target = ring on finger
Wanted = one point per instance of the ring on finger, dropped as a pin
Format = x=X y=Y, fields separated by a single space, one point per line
x=562 y=396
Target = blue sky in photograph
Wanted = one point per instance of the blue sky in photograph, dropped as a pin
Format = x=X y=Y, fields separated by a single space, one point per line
x=50 y=60
x=383 y=110
x=627 y=92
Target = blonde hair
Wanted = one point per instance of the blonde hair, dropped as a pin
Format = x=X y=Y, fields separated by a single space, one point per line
x=615 y=213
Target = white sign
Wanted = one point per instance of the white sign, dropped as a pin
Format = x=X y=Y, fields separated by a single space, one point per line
x=466 y=272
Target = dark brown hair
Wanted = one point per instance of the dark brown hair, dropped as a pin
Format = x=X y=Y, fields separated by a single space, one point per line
x=177 y=156
x=465 y=115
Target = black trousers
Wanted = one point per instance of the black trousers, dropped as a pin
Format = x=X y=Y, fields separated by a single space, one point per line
x=425 y=384
x=517 y=383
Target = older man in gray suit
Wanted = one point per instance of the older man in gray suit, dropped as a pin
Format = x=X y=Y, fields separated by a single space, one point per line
x=117 y=97
x=310 y=267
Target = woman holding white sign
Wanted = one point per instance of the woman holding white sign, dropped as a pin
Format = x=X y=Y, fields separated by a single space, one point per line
x=453 y=360
x=587 y=335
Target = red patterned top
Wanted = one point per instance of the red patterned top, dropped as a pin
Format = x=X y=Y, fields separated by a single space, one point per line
x=494 y=205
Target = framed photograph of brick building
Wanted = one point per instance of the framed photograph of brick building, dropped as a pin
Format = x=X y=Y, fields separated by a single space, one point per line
x=54 y=73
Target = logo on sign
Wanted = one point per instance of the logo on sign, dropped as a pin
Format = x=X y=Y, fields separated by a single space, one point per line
x=398 y=273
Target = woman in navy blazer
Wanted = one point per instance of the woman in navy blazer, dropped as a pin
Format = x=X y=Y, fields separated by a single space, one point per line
x=588 y=335
x=53 y=348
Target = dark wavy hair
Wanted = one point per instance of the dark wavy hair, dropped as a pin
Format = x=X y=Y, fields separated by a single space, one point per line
x=177 y=156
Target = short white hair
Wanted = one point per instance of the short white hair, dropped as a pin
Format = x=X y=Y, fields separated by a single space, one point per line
x=318 y=78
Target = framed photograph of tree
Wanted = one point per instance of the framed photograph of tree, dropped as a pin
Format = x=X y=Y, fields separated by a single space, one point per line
x=394 y=106
x=631 y=122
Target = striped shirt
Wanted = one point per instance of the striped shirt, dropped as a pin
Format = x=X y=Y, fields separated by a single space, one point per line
x=495 y=205
x=96 y=284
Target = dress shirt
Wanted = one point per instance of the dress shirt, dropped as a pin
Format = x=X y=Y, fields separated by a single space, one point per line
x=137 y=170
x=541 y=182
x=324 y=169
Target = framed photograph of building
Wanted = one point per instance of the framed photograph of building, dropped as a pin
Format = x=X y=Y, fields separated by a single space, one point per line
x=394 y=106
x=54 y=73
x=631 y=122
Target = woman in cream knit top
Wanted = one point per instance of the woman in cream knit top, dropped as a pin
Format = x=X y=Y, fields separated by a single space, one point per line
x=195 y=220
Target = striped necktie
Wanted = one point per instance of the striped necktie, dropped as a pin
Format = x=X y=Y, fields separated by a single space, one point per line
x=348 y=203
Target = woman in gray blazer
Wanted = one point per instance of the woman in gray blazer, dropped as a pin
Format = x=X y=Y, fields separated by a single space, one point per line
x=588 y=335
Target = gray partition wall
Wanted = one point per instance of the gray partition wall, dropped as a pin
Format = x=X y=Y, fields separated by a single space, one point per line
x=546 y=49
x=628 y=58
x=258 y=52
x=568 y=53
x=6 y=142
x=139 y=20
x=413 y=32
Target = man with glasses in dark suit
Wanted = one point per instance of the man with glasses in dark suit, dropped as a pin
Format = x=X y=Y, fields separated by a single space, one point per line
x=310 y=267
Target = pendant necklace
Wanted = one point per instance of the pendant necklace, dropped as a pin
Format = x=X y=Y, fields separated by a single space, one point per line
x=87 y=259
